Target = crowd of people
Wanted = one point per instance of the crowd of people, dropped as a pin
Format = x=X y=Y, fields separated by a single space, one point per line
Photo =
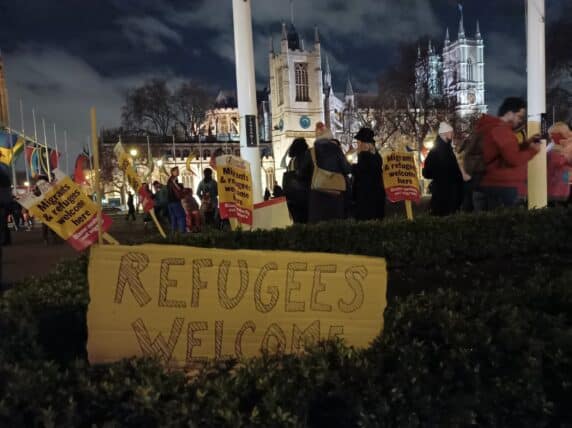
x=488 y=169
x=484 y=171
x=320 y=184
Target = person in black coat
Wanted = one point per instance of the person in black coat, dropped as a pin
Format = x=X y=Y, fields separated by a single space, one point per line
x=325 y=205
x=442 y=167
x=368 y=190
x=294 y=187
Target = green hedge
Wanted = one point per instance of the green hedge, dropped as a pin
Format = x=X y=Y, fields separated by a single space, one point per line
x=477 y=332
x=482 y=358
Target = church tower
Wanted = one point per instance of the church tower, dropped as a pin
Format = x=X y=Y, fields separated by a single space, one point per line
x=3 y=96
x=463 y=72
x=296 y=92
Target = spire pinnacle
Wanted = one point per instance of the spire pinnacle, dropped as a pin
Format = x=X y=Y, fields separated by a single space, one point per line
x=447 y=38
x=316 y=35
x=328 y=65
x=349 y=88
x=478 y=34
x=430 y=47
x=271 y=44
x=292 y=11
x=284 y=32
x=461 y=28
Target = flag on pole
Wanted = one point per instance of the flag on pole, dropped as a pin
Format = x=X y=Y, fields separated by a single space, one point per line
x=11 y=145
x=82 y=164
x=37 y=159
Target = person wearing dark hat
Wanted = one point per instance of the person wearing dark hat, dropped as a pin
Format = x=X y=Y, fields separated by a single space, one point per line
x=442 y=167
x=368 y=190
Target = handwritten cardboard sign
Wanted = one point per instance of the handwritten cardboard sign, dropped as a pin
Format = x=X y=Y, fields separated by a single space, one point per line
x=400 y=177
x=64 y=208
x=235 y=188
x=184 y=305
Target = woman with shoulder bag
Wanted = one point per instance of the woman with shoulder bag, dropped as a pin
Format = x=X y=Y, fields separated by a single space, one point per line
x=325 y=168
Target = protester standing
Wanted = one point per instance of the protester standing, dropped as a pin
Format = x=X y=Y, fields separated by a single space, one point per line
x=130 y=207
x=5 y=202
x=442 y=168
x=325 y=168
x=504 y=181
x=208 y=194
x=295 y=188
x=174 y=195
x=368 y=190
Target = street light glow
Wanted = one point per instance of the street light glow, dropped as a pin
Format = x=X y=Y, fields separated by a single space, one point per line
x=160 y=163
x=133 y=152
x=27 y=183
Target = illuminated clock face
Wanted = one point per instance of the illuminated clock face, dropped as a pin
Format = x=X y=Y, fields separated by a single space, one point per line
x=472 y=98
x=305 y=122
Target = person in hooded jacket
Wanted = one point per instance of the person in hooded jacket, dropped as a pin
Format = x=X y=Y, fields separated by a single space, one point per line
x=324 y=205
x=368 y=190
x=442 y=167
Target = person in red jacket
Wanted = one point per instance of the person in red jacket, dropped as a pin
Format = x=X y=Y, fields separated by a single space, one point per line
x=504 y=180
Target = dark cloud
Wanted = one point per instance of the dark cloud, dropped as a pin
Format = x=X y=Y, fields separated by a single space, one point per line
x=65 y=56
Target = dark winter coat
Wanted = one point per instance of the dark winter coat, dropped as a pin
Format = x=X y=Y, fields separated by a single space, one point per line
x=447 y=186
x=325 y=206
x=368 y=190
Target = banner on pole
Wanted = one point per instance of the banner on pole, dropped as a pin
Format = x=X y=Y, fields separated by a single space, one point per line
x=184 y=305
x=64 y=208
x=124 y=164
x=235 y=189
x=400 y=177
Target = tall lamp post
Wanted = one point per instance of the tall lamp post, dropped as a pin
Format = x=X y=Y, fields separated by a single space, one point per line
x=246 y=89
x=536 y=83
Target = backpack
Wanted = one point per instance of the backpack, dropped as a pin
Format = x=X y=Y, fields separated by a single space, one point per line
x=472 y=155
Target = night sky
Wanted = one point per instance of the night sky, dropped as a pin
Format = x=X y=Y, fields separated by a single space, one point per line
x=64 y=56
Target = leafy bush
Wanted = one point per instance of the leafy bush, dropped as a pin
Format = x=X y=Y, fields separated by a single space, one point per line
x=485 y=358
x=487 y=342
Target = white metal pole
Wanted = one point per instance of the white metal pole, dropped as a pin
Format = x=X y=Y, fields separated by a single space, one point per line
x=56 y=146
x=246 y=89
x=536 y=75
x=48 y=169
x=35 y=126
x=67 y=153
x=25 y=140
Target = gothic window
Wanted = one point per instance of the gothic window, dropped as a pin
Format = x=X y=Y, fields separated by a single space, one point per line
x=470 y=76
x=302 y=87
x=280 y=84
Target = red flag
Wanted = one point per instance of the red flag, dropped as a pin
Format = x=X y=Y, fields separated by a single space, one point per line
x=81 y=164
x=146 y=198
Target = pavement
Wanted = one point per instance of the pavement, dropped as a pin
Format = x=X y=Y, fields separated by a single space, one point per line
x=30 y=256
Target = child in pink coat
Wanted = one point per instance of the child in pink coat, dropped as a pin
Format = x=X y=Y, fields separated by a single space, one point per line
x=559 y=159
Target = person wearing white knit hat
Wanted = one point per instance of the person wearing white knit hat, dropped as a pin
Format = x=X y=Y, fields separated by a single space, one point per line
x=442 y=168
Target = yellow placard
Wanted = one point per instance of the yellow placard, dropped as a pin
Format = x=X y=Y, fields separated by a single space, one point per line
x=235 y=188
x=184 y=305
x=124 y=164
x=64 y=208
x=400 y=177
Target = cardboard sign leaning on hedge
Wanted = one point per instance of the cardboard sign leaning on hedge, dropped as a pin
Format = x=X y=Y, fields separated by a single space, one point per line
x=235 y=188
x=185 y=305
x=400 y=177
x=65 y=209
